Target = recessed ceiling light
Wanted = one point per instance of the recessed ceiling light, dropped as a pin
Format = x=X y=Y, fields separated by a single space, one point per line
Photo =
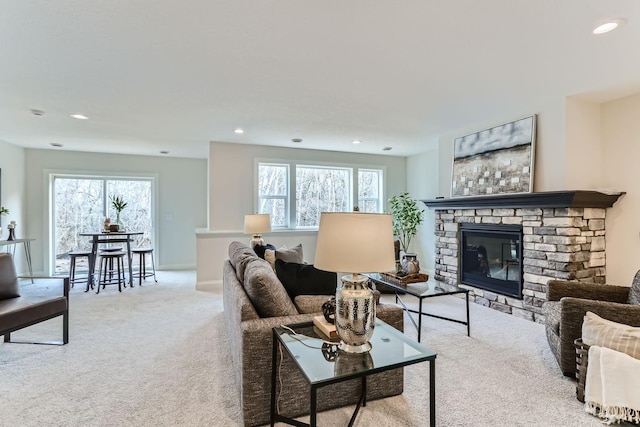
x=387 y=148
x=164 y=152
x=79 y=116
x=38 y=113
x=296 y=140
x=356 y=141
x=609 y=25
x=238 y=130
x=56 y=144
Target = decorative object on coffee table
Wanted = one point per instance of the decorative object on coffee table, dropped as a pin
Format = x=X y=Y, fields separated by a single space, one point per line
x=257 y=224
x=410 y=264
x=407 y=216
x=404 y=279
x=354 y=242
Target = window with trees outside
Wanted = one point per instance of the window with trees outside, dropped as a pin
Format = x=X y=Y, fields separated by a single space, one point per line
x=80 y=204
x=296 y=194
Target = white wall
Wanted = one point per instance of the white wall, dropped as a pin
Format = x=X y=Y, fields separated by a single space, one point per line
x=12 y=163
x=583 y=145
x=181 y=203
x=621 y=159
x=231 y=196
x=422 y=183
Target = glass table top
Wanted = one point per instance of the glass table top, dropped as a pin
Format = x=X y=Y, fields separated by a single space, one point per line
x=321 y=361
x=421 y=289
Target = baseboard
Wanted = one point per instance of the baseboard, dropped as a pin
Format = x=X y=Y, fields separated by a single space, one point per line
x=209 y=286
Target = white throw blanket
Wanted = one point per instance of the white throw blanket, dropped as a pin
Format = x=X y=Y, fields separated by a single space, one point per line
x=612 y=388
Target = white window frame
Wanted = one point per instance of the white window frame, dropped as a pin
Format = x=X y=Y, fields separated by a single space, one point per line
x=49 y=200
x=286 y=196
x=290 y=200
x=378 y=199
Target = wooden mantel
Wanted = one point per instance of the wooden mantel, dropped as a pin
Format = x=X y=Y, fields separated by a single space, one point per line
x=546 y=199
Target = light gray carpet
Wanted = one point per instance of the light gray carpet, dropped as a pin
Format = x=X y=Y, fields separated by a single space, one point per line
x=157 y=355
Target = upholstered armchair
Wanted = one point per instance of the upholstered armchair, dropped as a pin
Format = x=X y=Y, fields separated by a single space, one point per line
x=568 y=302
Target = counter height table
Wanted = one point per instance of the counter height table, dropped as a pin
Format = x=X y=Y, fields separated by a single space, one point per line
x=109 y=237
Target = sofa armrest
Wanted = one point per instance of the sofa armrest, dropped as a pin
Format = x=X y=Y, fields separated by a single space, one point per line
x=46 y=286
x=558 y=289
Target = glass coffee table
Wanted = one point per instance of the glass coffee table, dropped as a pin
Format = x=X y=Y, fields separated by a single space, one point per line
x=421 y=290
x=322 y=363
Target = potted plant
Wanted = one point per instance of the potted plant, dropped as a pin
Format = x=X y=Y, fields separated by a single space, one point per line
x=3 y=211
x=118 y=204
x=407 y=216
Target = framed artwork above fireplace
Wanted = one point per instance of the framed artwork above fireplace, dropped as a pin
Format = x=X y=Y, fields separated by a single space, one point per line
x=498 y=160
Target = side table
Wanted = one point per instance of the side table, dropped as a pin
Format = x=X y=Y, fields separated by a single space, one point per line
x=322 y=364
x=422 y=290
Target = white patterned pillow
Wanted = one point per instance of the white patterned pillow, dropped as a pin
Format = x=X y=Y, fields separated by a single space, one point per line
x=616 y=336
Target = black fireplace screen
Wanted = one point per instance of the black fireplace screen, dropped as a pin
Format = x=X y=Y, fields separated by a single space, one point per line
x=491 y=258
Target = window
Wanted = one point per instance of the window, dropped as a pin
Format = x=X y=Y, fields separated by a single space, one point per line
x=370 y=190
x=318 y=188
x=321 y=189
x=273 y=192
x=81 y=204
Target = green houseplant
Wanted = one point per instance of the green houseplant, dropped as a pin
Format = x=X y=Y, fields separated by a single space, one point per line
x=407 y=216
x=118 y=204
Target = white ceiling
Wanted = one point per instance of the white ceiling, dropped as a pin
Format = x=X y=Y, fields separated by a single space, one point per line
x=172 y=75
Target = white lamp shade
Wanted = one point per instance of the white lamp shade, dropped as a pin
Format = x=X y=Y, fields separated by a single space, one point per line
x=353 y=242
x=257 y=223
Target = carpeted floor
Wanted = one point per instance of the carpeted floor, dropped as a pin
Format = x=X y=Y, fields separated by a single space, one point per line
x=157 y=355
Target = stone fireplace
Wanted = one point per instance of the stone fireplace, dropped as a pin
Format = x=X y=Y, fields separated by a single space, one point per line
x=563 y=237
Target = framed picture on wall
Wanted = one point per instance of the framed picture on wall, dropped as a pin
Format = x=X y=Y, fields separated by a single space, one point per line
x=498 y=160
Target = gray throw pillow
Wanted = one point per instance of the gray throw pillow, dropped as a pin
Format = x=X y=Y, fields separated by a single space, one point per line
x=9 y=287
x=634 y=292
x=285 y=254
x=239 y=256
x=265 y=291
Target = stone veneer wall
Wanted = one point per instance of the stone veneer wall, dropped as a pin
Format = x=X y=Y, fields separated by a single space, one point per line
x=558 y=243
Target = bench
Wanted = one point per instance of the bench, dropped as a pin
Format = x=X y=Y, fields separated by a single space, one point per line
x=18 y=312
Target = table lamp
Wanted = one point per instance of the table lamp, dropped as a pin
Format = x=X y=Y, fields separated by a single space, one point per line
x=255 y=225
x=354 y=242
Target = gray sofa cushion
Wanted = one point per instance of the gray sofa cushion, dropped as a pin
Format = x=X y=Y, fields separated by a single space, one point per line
x=634 y=292
x=265 y=291
x=240 y=255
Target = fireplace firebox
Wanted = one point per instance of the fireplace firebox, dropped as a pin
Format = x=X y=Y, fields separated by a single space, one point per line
x=491 y=257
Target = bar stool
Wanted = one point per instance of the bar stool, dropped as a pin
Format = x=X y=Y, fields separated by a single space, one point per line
x=73 y=256
x=105 y=272
x=142 y=268
x=111 y=249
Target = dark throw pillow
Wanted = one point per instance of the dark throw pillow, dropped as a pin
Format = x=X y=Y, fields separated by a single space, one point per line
x=305 y=279
x=260 y=249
